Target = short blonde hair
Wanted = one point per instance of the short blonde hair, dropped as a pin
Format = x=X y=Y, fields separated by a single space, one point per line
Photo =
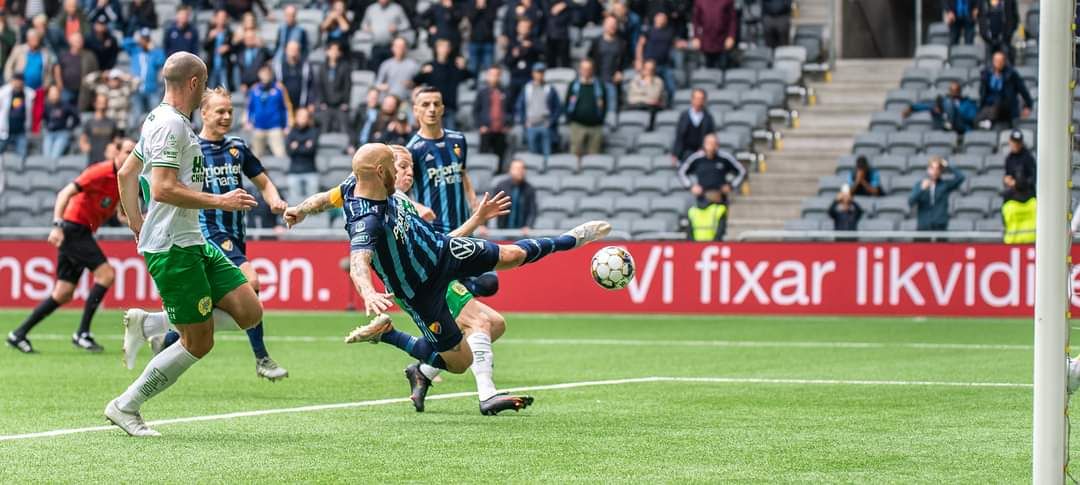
x=218 y=91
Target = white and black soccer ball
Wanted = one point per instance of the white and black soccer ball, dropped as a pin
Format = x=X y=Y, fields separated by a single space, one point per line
x=613 y=267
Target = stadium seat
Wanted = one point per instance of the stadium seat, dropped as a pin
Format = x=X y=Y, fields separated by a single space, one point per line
x=774 y=79
x=878 y=224
x=890 y=165
x=637 y=165
x=937 y=33
x=706 y=78
x=990 y=224
x=577 y=185
x=985 y=184
x=916 y=79
x=930 y=54
x=654 y=143
x=1031 y=22
x=71 y=162
x=560 y=75
x=533 y=162
x=732 y=141
x=869 y=144
x=681 y=100
x=548 y=184
x=663 y=165
x=756 y=57
x=804 y=225
x=673 y=207
x=992 y=164
x=634 y=118
x=966 y=56
x=561 y=206
x=633 y=206
x=973 y=207
x=818 y=205
x=723 y=100
x=615 y=185
x=947 y=76
x=597 y=164
x=667 y=119
x=920 y=121
x=653 y=185
x=886 y=121
x=337 y=141
x=548 y=222
x=618 y=142
x=595 y=207
x=905 y=143
x=903 y=184
x=830 y=184
x=940 y=143
x=562 y=164
x=740 y=79
x=32 y=162
x=965 y=225
x=643 y=227
x=899 y=99
x=893 y=208
x=970 y=164
x=759 y=97
x=845 y=164
x=979 y=142
x=810 y=36
x=795 y=53
x=483 y=162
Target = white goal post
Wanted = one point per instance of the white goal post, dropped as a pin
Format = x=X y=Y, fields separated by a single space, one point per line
x=1052 y=263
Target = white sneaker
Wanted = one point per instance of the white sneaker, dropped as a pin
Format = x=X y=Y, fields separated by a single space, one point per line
x=267 y=368
x=131 y=423
x=1072 y=370
x=372 y=331
x=134 y=337
x=589 y=232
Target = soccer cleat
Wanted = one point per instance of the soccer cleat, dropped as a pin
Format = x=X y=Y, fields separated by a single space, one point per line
x=1072 y=371
x=503 y=402
x=134 y=337
x=19 y=343
x=418 y=386
x=270 y=370
x=131 y=423
x=86 y=342
x=589 y=232
x=372 y=331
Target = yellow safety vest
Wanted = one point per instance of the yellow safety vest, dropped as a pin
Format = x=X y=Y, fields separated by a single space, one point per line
x=705 y=221
x=1019 y=219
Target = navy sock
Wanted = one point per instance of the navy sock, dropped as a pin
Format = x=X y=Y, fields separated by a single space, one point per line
x=539 y=247
x=416 y=347
x=44 y=309
x=170 y=338
x=255 y=337
x=93 y=299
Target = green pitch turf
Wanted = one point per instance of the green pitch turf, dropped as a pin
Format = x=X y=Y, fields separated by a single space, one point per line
x=797 y=408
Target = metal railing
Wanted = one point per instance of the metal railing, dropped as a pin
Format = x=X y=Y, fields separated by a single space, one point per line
x=945 y=236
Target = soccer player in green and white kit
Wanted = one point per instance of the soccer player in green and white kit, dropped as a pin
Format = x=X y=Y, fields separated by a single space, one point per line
x=200 y=288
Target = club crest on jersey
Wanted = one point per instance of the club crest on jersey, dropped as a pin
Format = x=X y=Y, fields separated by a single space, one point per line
x=457 y=150
x=205 y=305
x=235 y=152
x=462 y=248
x=435 y=327
x=227 y=245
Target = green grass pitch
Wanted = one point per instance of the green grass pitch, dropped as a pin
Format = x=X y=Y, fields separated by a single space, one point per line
x=797 y=407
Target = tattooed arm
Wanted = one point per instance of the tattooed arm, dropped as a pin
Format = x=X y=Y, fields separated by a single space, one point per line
x=321 y=202
x=360 y=272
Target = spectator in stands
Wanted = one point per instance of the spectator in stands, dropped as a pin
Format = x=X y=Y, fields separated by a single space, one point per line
x=586 y=109
x=954 y=112
x=998 y=20
x=491 y=114
x=396 y=74
x=337 y=26
x=110 y=9
x=557 y=32
x=294 y=72
x=70 y=68
x=391 y=125
x=268 y=114
x=538 y=110
x=219 y=54
x=290 y=31
x=961 y=16
x=523 y=208
x=71 y=18
x=7 y=38
x=711 y=174
x=516 y=10
x=999 y=89
x=1019 y=177
x=694 y=123
x=103 y=44
x=524 y=51
x=656 y=43
x=366 y=117
x=481 y=47
x=97 y=132
x=930 y=196
x=237 y=8
x=141 y=14
x=610 y=56
x=441 y=20
x=864 y=180
x=32 y=60
x=628 y=21
x=251 y=58
x=646 y=92
x=302 y=144
x=118 y=89
x=146 y=64
x=445 y=74
x=16 y=100
x=776 y=22
x=181 y=35
x=844 y=211
x=715 y=24
x=60 y=119
x=384 y=20
x=332 y=87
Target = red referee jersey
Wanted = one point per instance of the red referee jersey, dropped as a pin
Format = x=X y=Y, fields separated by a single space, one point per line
x=98 y=194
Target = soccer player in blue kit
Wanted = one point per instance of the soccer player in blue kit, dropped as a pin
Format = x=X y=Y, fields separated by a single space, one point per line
x=227 y=160
x=418 y=263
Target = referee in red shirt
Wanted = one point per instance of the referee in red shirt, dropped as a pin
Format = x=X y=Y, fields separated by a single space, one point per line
x=81 y=207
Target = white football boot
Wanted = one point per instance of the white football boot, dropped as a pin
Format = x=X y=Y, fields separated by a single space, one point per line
x=589 y=232
x=268 y=369
x=134 y=337
x=131 y=423
x=372 y=331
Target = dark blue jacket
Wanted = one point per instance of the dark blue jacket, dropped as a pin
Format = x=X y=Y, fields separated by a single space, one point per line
x=972 y=5
x=185 y=39
x=1012 y=86
x=932 y=205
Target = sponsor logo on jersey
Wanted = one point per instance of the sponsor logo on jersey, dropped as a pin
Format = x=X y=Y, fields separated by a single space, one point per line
x=445 y=175
x=462 y=248
x=205 y=305
x=435 y=327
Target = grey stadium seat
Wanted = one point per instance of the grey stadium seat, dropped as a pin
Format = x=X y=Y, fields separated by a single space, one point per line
x=940 y=142
x=757 y=57
x=597 y=164
x=886 y=121
x=967 y=56
x=971 y=164
x=667 y=118
x=961 y=225
x=972 y=207
x=803 y=225
x=899 y=99
x=681 y=100
x=904 y=183
x=533 y=162
x=273 y=163
x=652 y=185
x=562 y=164
x=578 y=185
x=641 y=227
x=894 y=208
x=733 y=141
x=869 y=144
x=916 y=79
x=845 y=164
x=723 y=100
x=919 y=121
x=595 y=207
x=339 y=162
x=633 y=206
x=662 y=165
x=947 y=76
x=877 y=225
x=890 y=165
x=905 y=143
x=44 y=181
x=38 y=162
x=990 y=224
x=562 y=205
x=706 y=78
x=615 y=185
x=548 y=222
x=816 y=205
x=740 y=79
x=938 y=34
x=772 y=78
x=637 y=165
x=676 y=206
x=985 y=184
x=71 y=162
x=830 y=184
x=483 y=162
x=545 y=183
x=930 y=51
x=634 y=118
x=979 y=142
x=652 y=143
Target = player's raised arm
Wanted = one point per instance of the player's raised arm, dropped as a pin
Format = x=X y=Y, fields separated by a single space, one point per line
x=360 y=272
x=486 y=210
x=166 y=188
x=320 y=202
x=128 y=183
x=270 y=193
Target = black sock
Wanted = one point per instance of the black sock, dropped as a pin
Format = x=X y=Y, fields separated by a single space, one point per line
x=44 y=309
x=93 y=299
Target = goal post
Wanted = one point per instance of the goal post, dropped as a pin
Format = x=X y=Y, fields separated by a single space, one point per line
x=1053 y=239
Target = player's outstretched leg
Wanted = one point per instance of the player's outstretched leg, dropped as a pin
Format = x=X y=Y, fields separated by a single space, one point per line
x=141 y=326
x=532 y=250
x=381 y=329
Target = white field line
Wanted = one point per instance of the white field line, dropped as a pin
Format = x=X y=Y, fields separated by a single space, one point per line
x=566 y=385
x=237 y=337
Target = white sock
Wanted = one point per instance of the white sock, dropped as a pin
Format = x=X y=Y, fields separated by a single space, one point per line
x=160 y=373
x=483 y=361
x=156 y=323
x=224 y=321
x=429 y=371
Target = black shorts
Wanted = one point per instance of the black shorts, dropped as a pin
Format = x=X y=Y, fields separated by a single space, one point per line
x=231 y=246
x=79 y=251
x=464 y=257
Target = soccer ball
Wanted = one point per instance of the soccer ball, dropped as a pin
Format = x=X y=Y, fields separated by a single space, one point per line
x=613 y=267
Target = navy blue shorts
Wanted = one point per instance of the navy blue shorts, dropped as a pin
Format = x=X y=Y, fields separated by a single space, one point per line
x=233 y=247
x=462 y=258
